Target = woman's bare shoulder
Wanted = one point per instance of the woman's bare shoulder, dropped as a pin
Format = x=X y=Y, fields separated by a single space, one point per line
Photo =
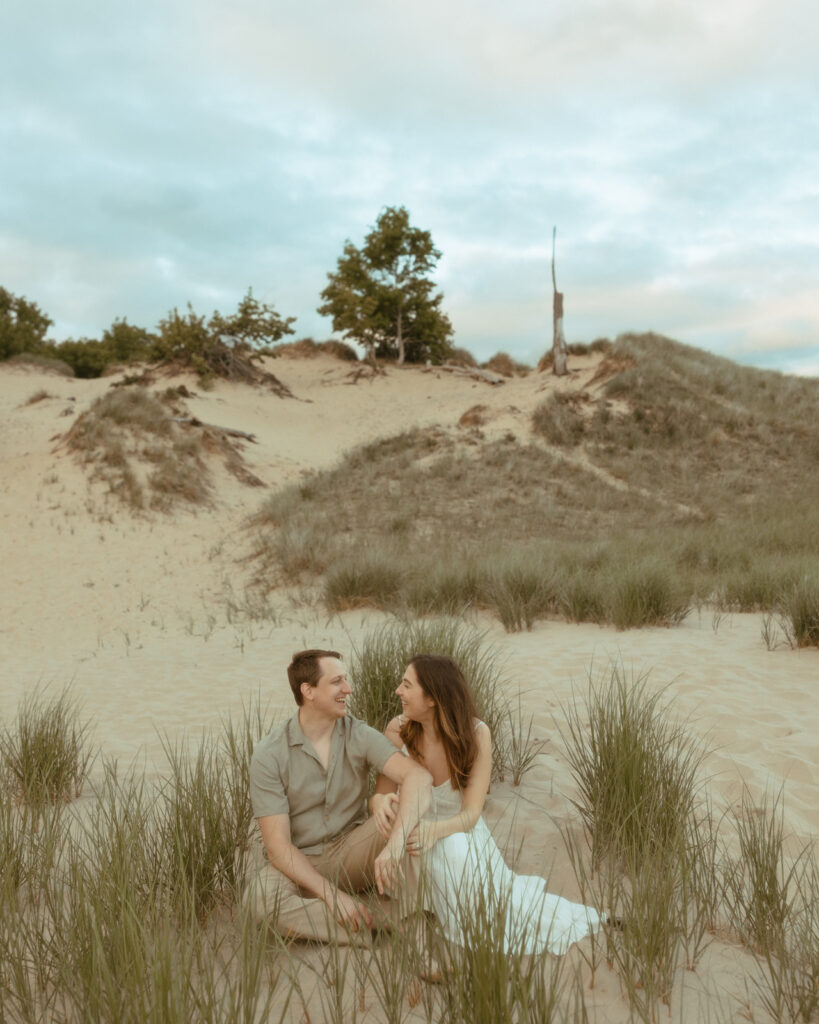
x=393 y=732
x=482 y=730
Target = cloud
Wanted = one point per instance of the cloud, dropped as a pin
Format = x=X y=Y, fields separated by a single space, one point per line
x=187 y=150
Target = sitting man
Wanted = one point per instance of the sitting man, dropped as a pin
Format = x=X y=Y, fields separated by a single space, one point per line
x=308 y=786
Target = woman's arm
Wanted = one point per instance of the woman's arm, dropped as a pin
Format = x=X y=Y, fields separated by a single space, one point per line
x=472 y=800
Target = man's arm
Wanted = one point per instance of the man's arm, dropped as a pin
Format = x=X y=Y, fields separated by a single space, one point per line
x=288 y=859
x=384 y=801
x=413 y=801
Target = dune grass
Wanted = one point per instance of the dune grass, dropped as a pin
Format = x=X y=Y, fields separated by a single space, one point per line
x=636 y=771
x=800 y=610
x=46 y=753
x=130 y=440
x=506 y=366
x=128 y=913
x=134 y=444
x=677 y=485
x=378 y=664
x=654 y=854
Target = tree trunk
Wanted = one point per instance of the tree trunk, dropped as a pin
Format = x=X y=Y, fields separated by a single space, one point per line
x=559 y=352
x=400 y=338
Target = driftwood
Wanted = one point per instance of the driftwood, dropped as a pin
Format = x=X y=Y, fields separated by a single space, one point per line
x=192 y=421
x=237 y=364
x=472 y=371
x=367 y=371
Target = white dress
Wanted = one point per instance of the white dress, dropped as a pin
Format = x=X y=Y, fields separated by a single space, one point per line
x=472 y=891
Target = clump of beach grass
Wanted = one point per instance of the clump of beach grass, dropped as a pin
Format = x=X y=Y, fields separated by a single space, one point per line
x=653 y=860
x=128 y=912
x=378 y=664
x=46 y=753
x=129 y=438
x=38 y=396
x=789 y=987
x=483 y=979
x=759 y=885
x=636 y=770
x=800 y=612
x=772 y=900
x=506 y=366
x=370 y=579
x=647 y=593
x=557 y=420
x=518 y=591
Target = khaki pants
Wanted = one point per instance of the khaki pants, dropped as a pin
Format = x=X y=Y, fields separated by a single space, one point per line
x=347 y=862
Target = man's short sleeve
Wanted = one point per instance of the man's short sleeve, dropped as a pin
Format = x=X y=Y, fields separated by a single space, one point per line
x=374 y=746
x=267 y=787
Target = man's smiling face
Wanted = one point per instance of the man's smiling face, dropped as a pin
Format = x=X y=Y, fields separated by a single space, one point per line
x=329 y=695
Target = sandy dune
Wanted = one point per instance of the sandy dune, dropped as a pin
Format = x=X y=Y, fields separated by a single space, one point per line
x=136 y=613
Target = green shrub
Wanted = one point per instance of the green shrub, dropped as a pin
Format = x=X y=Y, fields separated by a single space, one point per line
x=758 y=587
x=86 y=357
x=201 y=346
x=309 y=348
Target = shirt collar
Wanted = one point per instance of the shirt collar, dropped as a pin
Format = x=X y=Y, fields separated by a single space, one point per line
x=295 y=733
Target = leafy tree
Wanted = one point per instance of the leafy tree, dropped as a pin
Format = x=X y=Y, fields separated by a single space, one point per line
x=23 y=325
x=382 y=297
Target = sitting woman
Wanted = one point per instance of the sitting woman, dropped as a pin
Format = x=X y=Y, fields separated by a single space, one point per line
x=466 y=881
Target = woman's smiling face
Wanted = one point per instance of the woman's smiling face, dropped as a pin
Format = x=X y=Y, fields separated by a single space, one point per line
x=416 y=705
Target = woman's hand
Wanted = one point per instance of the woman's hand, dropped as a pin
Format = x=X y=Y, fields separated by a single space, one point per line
x=383 y=807
x=422 y=838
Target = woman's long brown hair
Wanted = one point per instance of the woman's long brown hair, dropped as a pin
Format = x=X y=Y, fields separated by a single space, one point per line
x=443 y=681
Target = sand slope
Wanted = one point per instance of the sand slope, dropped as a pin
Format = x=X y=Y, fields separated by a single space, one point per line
x=148 y=617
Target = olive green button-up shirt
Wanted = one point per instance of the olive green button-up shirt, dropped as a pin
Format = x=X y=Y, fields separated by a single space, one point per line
x=287 y=777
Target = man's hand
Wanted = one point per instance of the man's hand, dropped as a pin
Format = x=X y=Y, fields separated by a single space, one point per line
x=384 y=806
x=388 y=870
x=348 y=911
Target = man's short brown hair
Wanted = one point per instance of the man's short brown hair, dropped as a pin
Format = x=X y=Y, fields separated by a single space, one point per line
x=304 y=668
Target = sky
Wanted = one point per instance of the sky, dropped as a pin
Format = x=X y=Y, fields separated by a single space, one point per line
x=182 y=151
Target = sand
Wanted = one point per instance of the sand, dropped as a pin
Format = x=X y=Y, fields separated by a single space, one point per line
x=135 y=613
